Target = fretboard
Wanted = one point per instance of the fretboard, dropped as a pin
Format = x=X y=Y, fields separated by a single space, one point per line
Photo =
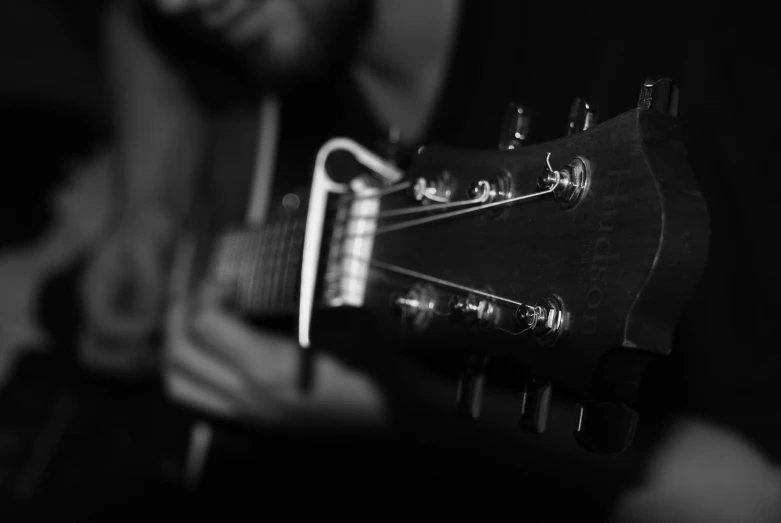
x=263 y=265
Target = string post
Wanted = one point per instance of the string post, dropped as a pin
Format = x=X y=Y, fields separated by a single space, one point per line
x=545 y=318
x=568 y=184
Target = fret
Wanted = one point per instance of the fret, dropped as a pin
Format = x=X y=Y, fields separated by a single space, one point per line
x=222 y=266
x=263 y=269
x=263 y=264
x=245 y=269
x=288 y=292
x=268 y=262
x=296 y=251
x=334 y=263
x=286 y=298
x=226 y=264
x=259 y=265
x=276 y=289
x=259 y=242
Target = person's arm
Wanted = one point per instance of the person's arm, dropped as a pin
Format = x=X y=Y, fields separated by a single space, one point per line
x=160 y=129
x=159 y=138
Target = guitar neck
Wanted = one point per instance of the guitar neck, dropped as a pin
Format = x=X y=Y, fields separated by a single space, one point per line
x=262 y=264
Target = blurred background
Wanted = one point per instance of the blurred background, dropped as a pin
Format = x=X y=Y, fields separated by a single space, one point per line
x=99 y=425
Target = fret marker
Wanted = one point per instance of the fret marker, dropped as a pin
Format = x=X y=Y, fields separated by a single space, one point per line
x=291 y=201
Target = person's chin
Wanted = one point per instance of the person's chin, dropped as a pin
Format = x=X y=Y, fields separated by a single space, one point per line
x=280 y=68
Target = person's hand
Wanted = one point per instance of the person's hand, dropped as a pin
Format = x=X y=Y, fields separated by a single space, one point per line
x=122 y=292
x=703 y=472
x=218 y=364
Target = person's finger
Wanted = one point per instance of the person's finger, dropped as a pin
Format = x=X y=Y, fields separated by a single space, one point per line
x=194 y=378
x=209 y=366
x=212 y=294
x=340 y=391
x=183 y=352
x=270 y=358
x=273 y=362
x=182 y=389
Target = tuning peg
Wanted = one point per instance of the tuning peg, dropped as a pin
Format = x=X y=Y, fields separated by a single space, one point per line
x=515 y=127
x=659 y=94
x=605 y=427
x=469 y=395
x=535 y=405
x=583 y=115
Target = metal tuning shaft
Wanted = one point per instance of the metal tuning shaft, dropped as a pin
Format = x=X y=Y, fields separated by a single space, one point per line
x=469 y=394
x=439 y=189
x=418 y=304
x=498 y=188
x=535 y=405
x=515 y=127
x=659 y=94
x=583 y=115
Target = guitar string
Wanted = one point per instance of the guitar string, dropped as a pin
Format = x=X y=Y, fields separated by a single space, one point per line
x=453 y=214
x=430 y=208
x=417 y=209
x=422 y=221
x=408 y=210
x=422 y=209
x=421 y=276
x=427 y=277
x=433 y=279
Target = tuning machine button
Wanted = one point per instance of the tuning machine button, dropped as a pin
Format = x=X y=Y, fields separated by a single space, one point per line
x=545 y=319
x=418 y=305
x=471 y=382
x=515 y=127
x=570 y=182
x=659 y=94
x=583 y=115
x=605 y=427
x=535 y=405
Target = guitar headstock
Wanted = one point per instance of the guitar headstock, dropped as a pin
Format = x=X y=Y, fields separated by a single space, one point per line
x=555 y=255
